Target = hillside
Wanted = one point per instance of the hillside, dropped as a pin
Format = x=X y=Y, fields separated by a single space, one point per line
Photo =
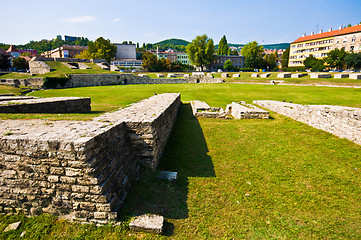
x=173 y=41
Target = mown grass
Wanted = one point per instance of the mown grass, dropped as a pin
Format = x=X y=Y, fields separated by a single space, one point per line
x=255 y=179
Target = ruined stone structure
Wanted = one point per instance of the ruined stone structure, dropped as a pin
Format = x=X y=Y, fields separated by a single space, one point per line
x=341 y=121
x=28 y=82
x=239 y=110
x=44 y=105
x=38 y=67
x=81 y=170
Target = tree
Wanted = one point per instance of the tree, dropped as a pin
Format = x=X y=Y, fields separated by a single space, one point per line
x=316 y=65
x=271 y=60
x=4 y=62
x=223 y=46
x=285 y=57
x=20 y=63
x=102 y=49
x=228 y=65
x=336 y=58
x=252 y=53
x=149 y=61
x=353 y=60
x=200 y=51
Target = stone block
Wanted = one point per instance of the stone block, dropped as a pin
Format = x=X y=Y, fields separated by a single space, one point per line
x=298 y=75
x=355 y=76
x=147 y=223
x=236 y=75
x=320 y=75
x=255 y=75
x=160 y=75
x=284 y=75
x=341 y=75
x=225 y=75
x=265 y=75
x=12 y=226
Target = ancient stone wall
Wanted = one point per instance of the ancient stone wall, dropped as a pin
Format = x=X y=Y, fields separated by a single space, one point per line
x=81 y=170
x=341 y=121
x=46 y=105
x=38 y=67
x=28 y=82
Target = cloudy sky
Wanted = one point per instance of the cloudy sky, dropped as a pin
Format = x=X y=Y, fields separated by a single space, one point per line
x=141 y=21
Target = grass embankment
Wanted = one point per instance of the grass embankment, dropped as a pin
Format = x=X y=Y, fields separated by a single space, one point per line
x=256 y=179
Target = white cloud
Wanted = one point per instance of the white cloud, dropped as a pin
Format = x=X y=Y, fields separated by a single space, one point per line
x=117 y=20
x=79 y=19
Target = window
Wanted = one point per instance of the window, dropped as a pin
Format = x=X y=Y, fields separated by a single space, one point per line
x=345 y=40
x=354 y=38
x=352 y=48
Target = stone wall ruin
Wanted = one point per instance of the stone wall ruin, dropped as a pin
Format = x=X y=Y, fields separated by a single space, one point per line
x=343 y=122
x=81 y=170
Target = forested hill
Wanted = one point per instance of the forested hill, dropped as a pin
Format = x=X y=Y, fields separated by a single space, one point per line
x=183 y=43
x=173 y=41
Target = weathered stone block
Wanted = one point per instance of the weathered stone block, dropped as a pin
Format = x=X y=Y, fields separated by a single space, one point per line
x=147 y=223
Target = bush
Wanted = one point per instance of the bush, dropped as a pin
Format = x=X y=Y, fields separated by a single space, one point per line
x=52 y=82
x=294 y=69
x=246 y=70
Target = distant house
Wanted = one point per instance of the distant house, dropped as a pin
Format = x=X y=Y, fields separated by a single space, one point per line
x=173 y=56
x=218 y=63
x=66 y=51
x=126 y=56
x=15 y=53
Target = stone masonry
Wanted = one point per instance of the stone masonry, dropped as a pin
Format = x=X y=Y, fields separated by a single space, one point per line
x=341 y=121
x=81 y=170
x=45 y=105
x=242 y=110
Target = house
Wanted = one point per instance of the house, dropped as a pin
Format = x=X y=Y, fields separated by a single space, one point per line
x=218 y=63
x=66 y=51
x=174 y=56
x=15 y=53
x=319 y=45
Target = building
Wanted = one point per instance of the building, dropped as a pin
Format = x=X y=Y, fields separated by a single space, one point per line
x=126 y=56
x=15 y=53
x=238 y=61
x=70 y=38
x=66 y=51
x=173 y=56
x=279 y=55
x=319 y=45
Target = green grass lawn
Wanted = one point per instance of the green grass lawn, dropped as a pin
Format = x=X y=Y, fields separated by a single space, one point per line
x=255 y=179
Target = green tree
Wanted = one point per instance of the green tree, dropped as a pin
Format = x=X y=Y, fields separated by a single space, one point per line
x=149 y=61
x=228 y=65
x=336 y=58
x=271 y=60
x=353 y=60
x=285 y=57
x=223 y=46
x=4 y=62
x=20 y=63
x=253 y=54
x=316 y=65
x=200 y=51
x=102 y=49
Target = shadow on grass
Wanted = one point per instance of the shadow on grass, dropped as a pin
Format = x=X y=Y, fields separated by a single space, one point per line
x=186 y=153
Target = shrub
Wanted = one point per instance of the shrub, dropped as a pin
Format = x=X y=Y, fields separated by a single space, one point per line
x=52 y=82
x=246 y=70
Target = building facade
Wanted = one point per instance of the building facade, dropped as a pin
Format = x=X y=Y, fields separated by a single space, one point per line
x=218 y=63
x=66 y=51
x=179 y=57
x=319 y=45
x=126 y=56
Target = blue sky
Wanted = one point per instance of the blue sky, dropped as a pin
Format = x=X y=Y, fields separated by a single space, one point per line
x=141 y=21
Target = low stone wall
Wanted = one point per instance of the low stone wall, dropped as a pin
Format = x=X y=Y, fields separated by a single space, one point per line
x=341 y=121
x=28 y=82
x=81 y=170
x=38 y=67
x=246 y=111
x=146 y=123
x=46 y=105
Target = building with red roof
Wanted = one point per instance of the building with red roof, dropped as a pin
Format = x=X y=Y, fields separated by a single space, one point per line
x=319 y=45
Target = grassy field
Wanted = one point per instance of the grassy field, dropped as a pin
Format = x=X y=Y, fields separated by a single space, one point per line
x=255 y=179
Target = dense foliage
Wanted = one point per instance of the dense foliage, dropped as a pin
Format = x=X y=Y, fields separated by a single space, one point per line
x=52 y=82
x=20 y=63
x=285 y=57
x=253 y=54
x=316 y=65
x=4 y=62
x=200 y=51
x=336 y=58
x=99 y=49
x=353 y=60
x=47 y=45
x=223 y=48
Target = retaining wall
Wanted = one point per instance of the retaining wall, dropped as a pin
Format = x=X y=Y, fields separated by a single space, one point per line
x=46 y=105
x=80 y=170
x=341 y=121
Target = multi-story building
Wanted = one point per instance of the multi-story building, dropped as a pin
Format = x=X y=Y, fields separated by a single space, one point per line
x=218 y=63
x=319 y=45
x=66 y=51
x=174 y=56
x=126 y=56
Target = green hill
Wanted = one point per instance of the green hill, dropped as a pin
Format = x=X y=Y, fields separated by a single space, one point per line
x=173 y=41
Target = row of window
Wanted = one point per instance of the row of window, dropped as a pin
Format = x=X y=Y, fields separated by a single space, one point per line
x=312 y=50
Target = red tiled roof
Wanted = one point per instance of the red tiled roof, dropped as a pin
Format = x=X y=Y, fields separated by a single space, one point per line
x=337 y=32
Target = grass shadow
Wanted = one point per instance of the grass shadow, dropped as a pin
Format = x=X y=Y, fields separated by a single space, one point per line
x=186 y=153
